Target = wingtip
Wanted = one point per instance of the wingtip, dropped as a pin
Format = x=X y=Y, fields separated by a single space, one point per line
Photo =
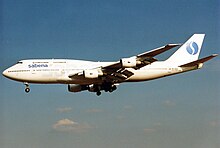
x=202 y=34
x=178 y=44
x=215 y=55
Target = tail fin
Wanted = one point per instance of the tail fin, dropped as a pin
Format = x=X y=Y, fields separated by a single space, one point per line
x=188 y=52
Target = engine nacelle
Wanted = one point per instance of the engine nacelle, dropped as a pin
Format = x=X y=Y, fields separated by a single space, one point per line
x=76 y=87
x=91 y=73
x=128 y=62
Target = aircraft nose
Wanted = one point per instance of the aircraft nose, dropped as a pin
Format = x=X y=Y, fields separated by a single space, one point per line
x=9 y=74
x=5 y=73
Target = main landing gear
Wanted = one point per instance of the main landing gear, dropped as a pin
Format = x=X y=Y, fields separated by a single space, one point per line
x=107 y=87
x=98 y=93
x=27 y=88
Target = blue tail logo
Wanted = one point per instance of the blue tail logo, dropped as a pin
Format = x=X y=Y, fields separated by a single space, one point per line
x=192 y=48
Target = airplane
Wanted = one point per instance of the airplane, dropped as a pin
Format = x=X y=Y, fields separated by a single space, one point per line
x=82 y=75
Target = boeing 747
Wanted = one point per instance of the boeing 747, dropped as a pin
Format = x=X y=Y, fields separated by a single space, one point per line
x=82 y=75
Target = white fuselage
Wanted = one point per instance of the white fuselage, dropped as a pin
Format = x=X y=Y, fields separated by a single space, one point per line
x=58 y=71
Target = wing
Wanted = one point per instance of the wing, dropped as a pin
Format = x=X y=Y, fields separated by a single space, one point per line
x=121 y=70
x=117 y=72
x=146 y=57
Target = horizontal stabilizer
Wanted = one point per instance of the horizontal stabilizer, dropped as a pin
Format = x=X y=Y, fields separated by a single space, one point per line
x=199 y=61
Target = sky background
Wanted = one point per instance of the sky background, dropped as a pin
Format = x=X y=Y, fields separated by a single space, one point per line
x=179 y=111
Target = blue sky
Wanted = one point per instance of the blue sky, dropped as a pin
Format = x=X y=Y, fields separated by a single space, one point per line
x=178 y=111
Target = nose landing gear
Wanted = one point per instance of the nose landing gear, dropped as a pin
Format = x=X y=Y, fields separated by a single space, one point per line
x=27 y=88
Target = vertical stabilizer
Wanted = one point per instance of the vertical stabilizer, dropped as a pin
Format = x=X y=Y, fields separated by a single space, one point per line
x=188 y=52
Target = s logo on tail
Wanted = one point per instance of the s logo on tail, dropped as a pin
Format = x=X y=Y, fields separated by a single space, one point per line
x=192 y=48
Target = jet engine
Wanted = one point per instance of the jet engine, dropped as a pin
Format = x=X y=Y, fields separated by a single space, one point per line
x=92 y=73
x=128 y=62
x=77 y=87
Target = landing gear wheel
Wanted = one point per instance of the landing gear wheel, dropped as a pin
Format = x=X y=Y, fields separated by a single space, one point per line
x=98 y=93
x=113 y=88
x=110 y=90
x=27 y=90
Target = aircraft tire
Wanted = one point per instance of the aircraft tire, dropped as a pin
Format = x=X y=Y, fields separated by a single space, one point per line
x=98 y=93
x=27 y=90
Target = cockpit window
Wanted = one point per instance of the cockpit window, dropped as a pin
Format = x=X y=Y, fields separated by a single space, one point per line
x=19 y=62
